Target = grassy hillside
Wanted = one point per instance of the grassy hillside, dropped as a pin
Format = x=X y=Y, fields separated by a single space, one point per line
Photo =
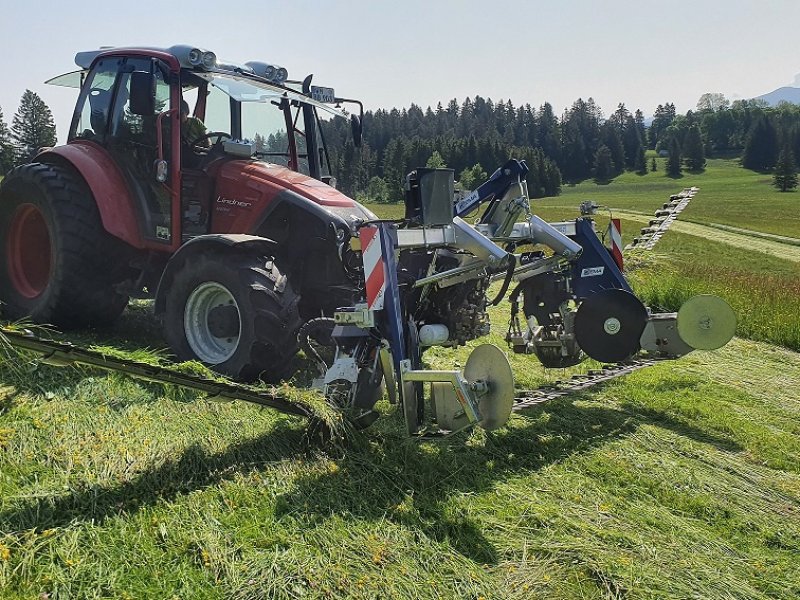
x=731 y=196
x=763 y=290
x=682 y=480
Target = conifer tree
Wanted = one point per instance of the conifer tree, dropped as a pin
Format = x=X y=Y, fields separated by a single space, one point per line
x=549 y=132
x=6 y=147
x=32 y=127
x=674 y=159
x=435 y=161
x=640 y=163
x=760 y=148
x=638 y=120
x=611 y=137
x=693 y=150
x=785 y=177
x=653 y=165
x=603 y=164
x=632 y=140
x=260 y=142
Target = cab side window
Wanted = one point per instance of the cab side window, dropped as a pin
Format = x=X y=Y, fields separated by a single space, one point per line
x=95 y=110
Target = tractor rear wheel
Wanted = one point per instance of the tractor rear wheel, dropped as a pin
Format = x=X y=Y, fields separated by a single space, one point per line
x=58 y=261
x=236 y=313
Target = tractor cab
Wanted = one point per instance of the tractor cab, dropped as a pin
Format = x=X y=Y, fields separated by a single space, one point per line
x=129 y=111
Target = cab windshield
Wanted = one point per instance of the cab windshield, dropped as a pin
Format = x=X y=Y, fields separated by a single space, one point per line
x=269 y=115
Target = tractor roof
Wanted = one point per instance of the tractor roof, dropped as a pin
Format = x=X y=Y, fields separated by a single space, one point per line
x=191 y=57
x=253 y=81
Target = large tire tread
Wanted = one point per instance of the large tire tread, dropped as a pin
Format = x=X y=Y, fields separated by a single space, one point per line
x=268 y=310
x=85 y=257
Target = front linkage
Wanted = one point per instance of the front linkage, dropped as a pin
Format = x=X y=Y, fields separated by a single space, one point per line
x=575 y=299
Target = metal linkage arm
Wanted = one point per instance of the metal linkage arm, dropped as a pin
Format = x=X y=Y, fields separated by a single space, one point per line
x=495 y=187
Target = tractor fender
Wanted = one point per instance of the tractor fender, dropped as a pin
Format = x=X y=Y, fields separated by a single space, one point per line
x=219 y=242
x=106 y=183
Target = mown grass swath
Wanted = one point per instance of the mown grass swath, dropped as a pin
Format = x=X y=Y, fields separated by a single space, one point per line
x=681 y=480
x=668 y=483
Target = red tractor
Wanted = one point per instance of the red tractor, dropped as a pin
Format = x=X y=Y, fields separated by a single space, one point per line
x=239 y=242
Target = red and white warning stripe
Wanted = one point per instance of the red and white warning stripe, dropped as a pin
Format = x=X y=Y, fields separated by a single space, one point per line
x=615 y=236
x=374 y=266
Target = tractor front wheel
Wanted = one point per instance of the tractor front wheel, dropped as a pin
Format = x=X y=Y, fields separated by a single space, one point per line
x=58 y=263
x=236 y=313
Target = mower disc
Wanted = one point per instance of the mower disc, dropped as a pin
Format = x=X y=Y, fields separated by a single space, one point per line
x=489 y=364
x=609 y=324
x=706 y=322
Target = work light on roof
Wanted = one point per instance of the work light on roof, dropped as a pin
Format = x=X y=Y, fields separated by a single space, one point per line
x=272 y=73
x=209 y=60
x=195 y=56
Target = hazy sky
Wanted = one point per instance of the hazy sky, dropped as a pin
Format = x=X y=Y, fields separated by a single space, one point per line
x=642 y=53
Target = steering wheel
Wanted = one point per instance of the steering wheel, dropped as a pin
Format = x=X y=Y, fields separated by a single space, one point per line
x=220 y=135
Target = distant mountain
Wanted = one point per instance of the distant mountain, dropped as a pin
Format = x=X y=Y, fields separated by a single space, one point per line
x=784 y=94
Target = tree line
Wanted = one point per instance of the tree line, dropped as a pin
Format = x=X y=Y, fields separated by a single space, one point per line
x=766 y=138
x=32 y=128
x=477 y=135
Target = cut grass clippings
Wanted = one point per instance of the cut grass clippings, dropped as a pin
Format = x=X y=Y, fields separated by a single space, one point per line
x=681 y=480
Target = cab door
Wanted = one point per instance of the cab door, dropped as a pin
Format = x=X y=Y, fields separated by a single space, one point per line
x=105 y=117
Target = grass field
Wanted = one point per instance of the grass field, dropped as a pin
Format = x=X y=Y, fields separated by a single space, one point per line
x=672 y=482
x=731 y=196
x=681 y=480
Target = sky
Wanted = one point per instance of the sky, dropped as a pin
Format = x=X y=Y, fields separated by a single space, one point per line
x=392 y=53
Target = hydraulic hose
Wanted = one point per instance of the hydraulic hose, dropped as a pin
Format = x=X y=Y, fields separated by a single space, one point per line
x=306 y=331
x=512 y=265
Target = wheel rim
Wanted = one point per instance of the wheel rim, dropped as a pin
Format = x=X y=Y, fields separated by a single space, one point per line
x=212 y=323
x=29 y=251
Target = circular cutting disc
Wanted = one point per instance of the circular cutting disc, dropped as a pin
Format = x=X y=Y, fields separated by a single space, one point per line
x=488 y=363
x=412 y=391
x=706 y=322
x=609 y=324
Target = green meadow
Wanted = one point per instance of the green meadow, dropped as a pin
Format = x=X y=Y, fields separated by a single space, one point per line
x=681 y=480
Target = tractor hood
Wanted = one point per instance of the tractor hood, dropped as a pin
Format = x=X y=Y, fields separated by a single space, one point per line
x=260 y=184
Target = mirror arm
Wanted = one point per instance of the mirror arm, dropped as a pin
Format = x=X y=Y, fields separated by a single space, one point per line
x=352 y=101
x=159 y=131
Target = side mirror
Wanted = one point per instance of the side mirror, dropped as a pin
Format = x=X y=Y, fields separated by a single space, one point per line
x=143 y=93
x=355 y=126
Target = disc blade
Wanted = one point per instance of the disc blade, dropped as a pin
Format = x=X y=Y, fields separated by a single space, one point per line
x=488 y=363
x=609 y=325
x=706 y=322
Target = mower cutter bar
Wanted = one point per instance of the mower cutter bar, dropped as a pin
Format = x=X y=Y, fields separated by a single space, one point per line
x=65 y=354
x=667 y=216
x=579 y=382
